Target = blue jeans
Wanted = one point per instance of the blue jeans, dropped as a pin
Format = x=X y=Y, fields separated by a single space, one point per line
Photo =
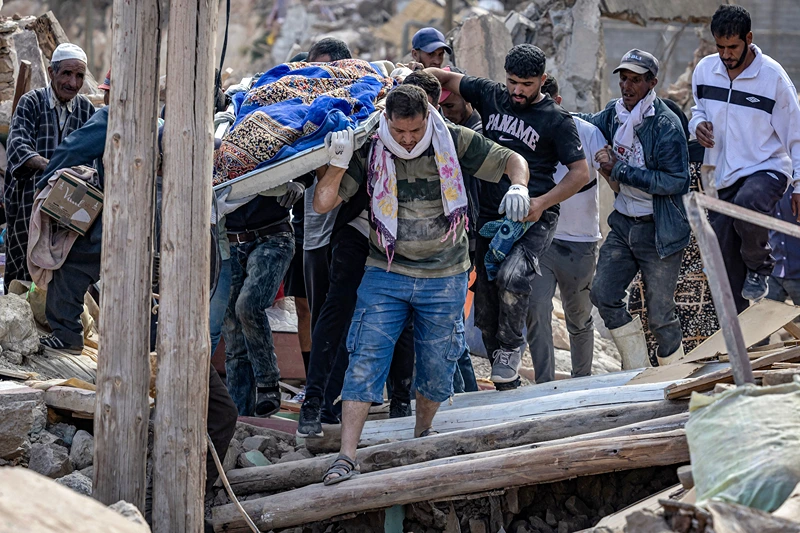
x=464 y=378
x=782 y=288
x=385 y=303
x=629 y=248
x=257 y=269
x=219 y=303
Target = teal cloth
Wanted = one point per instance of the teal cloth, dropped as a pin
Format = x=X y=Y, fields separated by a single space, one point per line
x=504 y=233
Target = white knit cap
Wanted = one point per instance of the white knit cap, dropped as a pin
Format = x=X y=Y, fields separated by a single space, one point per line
x=68 y=51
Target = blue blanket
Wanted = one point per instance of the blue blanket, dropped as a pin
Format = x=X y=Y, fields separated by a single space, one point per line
x=293 y=107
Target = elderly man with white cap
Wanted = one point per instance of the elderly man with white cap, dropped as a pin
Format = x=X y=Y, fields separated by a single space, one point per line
x=43 y=118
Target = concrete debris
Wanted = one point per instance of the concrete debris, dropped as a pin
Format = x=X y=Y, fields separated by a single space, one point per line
x=253 y=458
x=82 y=452
x=17 y=327
x=50 y=460
x=77 y=482
x=26 y=46
x=88 y=472
x=14 y=358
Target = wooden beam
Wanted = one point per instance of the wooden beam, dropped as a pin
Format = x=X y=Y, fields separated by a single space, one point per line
x=23 y=83
x=179 y=449
x=458 y=443
x=381 y=431
x=719 y=284
x=528 y=467
x=123 y=369
x=707 y=382
x=741 y=213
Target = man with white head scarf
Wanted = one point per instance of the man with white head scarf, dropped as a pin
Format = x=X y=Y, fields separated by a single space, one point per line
x=43 y=118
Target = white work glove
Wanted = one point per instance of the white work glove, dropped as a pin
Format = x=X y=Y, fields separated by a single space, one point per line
x=340 y=147
x=516 y=203
x=294 y=191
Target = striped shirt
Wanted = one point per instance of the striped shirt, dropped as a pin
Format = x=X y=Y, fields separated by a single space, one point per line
x=420 y=251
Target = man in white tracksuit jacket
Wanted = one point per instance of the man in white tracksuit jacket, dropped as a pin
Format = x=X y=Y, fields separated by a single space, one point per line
x=747 y=116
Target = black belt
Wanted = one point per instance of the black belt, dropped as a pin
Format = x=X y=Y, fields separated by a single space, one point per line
x=645 y=218
x=243 y=237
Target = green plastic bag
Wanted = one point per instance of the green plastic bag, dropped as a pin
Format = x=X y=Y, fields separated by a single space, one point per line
x=745 y=445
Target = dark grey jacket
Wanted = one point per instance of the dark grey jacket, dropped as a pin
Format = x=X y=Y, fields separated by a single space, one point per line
x=666 y=176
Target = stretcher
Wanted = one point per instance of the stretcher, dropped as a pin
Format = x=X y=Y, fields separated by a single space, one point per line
x=277 y=174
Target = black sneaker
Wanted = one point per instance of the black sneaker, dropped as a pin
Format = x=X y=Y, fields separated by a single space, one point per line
x=309 y=424
x=269 y=402
x=755 y=286
x=51 y=341
x=398 y=409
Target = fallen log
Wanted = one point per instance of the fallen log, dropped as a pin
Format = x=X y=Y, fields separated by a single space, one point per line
x=459 y=443
x=397 y=429
x=527 y=467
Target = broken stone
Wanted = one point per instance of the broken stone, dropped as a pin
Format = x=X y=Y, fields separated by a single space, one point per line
x=253 y=458
x=521 y=526
x=293 y=456
x=576 y=506
x=88 y=472
x=27 y=48
x=550 y=518
x=235 y=449
x=50 y=460
x=82 y=452
x=480 y=46
x=646 y=521
x=285 y=447
x=17 y=327
x=540 y=525
x=64 y=431
x=16 y=421
x=261 y=443
x=129 y=511
x=77 y=482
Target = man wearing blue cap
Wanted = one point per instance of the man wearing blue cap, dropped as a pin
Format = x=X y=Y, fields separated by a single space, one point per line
x=429 y=48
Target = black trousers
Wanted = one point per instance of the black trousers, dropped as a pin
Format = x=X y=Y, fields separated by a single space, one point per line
x=329 y=358
x=746 y=246
x=316 y=269
x=221 y=423
x=66 y=290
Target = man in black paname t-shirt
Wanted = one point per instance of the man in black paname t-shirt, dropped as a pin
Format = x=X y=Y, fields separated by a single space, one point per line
x=518 y=116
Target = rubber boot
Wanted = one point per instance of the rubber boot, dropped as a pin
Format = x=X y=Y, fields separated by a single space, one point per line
x=673 y=357
x=631 y=344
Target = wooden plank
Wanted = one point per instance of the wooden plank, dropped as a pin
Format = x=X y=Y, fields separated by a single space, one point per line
x=758 y=321
x=179 y=447
x=740 y=213
x=661 y=374
x=495 y=397
x=380 y=431
x=528 y=467
x=705 y=383
x=793 y=329
x=28 y=505
x=720 y=288
x=123 y=369
x=23 y=83
x=459 y=443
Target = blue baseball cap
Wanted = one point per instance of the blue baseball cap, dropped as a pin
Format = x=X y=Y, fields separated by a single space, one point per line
x=429 y=40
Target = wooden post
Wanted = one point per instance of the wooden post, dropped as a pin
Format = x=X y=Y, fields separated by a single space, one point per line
x=23 y=83
x=447 y=23
x=123 y=367
x=179 y=452
x=720 y=289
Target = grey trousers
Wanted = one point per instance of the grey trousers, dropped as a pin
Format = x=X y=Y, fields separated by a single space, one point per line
x=570 y=266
